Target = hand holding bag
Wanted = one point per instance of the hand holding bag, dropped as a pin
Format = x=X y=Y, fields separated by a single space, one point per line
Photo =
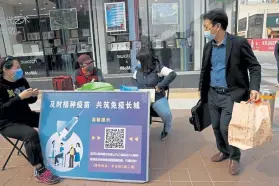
x=250 y=125
x=200 y=116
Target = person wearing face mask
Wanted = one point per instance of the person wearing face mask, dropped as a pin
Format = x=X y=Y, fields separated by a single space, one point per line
x=151 y=74
x=87 y=72
x=16 y=118
x=224 y=79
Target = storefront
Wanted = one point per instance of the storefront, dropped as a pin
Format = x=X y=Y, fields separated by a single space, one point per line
x=272 y=25
x=255 y=29
x=242 y=27
x=49 y=35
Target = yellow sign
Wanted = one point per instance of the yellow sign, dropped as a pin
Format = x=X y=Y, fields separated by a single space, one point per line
x=267 y=97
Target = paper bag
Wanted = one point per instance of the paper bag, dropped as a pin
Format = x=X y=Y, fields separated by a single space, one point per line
x=250 y=125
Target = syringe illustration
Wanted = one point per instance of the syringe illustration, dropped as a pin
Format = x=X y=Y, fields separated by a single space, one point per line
x=70 y=125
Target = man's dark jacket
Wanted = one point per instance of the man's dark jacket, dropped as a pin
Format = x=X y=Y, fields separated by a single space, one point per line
x=239 y=60
x=276 y=51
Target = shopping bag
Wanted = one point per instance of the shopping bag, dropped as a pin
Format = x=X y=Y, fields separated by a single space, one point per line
x=250 y=125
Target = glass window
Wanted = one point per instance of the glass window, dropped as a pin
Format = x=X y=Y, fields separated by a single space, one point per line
x=20 y=36
x=172 y=28
x=175 y=31
x=66 y=33
x=49 y=36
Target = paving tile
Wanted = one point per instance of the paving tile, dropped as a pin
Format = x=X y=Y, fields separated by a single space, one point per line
x=244 y=183
x=179 y=175
x=224 y=183
x=195 y=161
x=15 y=161
x=181 y=184
x=268 y=165
x=158 y=161
x=33 y=182
x=220 y=175
x=4 y=180
x=26 y=172
x=174 y=163
x=68 y=182
x=95 y=183
x=159 y=175
x=203 y=184
x=242 y=177
x=266 y=183
x=213 y=165
x=259 y=176
x=125 y=184
x=207 y=151
x=5 y=144
x=4 y=152
x=17 y=182
x=7 y=175
x=200 y=175
x=160 y=184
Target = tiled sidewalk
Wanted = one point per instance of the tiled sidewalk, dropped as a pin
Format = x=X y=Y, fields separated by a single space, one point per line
x=182 y=160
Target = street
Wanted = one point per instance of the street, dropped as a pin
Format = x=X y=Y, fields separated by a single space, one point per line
x=269 y=68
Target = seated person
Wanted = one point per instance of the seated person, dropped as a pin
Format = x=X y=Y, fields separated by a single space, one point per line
x=150 y=73
x=87 y=72
x=60 y=155
x=16 y=118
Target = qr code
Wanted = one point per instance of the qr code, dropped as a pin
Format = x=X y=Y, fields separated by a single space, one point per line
x=115 y=138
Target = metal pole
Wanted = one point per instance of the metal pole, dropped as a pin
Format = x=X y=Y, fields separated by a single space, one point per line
x=92 y=26
x=3 y=42
x=148 y=26
x=41 y=36
x=236 y=17
x=269 y=96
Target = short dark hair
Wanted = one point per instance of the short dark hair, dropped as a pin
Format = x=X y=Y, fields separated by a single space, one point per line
x=217 y=16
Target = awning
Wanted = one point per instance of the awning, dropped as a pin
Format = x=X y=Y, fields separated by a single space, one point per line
x=241 y=33
x=274 y=29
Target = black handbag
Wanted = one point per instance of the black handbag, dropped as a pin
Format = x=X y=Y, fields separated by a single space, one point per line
x=200 y=116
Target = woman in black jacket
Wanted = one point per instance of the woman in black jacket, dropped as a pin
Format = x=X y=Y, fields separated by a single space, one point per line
x=16 y=118
x=151 y=74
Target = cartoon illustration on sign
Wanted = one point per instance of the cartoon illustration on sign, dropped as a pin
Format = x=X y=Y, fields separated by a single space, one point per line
x=64 y=149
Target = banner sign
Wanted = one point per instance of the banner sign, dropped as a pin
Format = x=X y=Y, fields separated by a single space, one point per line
x=96 y=135
x=267 y=45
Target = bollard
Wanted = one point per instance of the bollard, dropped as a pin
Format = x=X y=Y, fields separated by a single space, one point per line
x=268 y=95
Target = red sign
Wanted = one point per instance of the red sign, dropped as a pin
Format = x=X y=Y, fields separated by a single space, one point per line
x=263 y=44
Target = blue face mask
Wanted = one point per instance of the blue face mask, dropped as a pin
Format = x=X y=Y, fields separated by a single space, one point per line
x=18 y=74
x=209 y=36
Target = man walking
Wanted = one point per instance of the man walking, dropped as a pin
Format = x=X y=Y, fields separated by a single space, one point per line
x=224 y=80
